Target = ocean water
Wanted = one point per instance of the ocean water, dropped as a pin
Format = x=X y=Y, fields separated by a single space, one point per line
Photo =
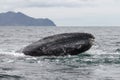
x=101 y=62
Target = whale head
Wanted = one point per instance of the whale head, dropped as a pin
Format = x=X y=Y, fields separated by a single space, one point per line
x=60 y=44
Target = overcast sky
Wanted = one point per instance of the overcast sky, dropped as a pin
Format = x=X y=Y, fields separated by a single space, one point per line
x=68 y=12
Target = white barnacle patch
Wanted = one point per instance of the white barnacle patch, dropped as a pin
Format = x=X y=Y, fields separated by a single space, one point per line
x=64 y=50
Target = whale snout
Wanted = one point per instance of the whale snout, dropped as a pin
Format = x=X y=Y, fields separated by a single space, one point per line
x=89 y=37
x=92 y=41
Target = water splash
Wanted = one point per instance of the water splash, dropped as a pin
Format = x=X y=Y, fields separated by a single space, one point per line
x=11 y=53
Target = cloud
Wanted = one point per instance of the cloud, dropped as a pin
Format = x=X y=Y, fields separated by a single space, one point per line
x=68 y=12
x=41 y=3
x=58 y=3
x=13 y=4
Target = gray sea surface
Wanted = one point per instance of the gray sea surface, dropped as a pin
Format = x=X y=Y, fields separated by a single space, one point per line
x=101 y=62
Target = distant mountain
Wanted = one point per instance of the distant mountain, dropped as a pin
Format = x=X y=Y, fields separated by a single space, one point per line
x=20 y=19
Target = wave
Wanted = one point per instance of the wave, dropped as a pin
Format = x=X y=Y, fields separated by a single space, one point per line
x=10 y=77
x=93 y=56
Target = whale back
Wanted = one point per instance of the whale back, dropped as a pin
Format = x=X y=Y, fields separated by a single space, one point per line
x=60 y=44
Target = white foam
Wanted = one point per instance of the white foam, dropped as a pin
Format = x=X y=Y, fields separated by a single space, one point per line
x=99 y=52
x=12 y=53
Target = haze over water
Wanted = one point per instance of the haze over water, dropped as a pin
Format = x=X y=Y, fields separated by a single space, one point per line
x=101 y=62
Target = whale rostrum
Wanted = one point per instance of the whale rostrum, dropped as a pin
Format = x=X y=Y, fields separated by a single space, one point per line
x=60 y=45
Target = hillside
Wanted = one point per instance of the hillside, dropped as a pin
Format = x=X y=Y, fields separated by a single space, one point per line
x=20 y=19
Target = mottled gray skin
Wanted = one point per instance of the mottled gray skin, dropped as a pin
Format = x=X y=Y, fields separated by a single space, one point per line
x=60 y=45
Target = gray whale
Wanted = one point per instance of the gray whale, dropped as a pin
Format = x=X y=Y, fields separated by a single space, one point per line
x=60 y=45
